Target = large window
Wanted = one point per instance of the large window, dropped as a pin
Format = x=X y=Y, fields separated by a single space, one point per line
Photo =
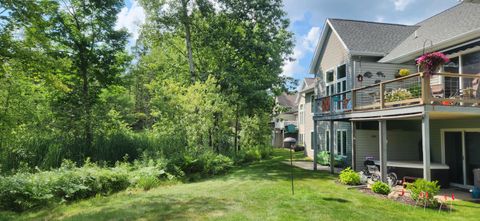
x=342 y=71
x=341 y=142
x=330 y=76
x=471 y=63
x=327 y=140
x=312 y=136
x=312 y=102
x=301 y=114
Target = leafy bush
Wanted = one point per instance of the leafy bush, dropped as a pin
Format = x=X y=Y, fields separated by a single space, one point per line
x=24 y=191
x=381 y=188
x=415 y=90
x=203 y=164
x=147 y=182
x=323 y=158
x=349 y=177
x=420 y=187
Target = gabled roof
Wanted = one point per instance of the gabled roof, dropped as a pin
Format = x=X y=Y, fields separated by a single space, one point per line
x=287 y=100
x=452 y=26
x=364 y=37
x=307 y=85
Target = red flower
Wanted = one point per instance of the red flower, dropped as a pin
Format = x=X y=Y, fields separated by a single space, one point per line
x=429 y=62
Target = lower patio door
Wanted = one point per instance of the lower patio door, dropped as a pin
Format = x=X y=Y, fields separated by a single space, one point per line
x=462 y=155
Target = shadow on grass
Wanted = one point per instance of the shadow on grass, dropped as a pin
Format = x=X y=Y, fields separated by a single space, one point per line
x=339 y=200
x=163 y=207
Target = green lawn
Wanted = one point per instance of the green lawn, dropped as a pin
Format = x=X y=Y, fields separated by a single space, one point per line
x=260 y=191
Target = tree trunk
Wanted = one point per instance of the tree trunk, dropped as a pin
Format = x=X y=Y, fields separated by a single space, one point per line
x=186 y=24
x=86 y=104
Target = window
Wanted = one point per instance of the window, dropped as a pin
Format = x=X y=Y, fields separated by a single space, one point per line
x=471 y=63
x=341 y=142
x=300 y=138
x=312 y=136
x=301 y=114
x=312 y=102
x=330 y=76
x=452 y=84
x=341 y=71
x=327 y=140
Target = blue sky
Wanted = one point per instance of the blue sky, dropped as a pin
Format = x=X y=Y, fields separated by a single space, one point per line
x=307 y=19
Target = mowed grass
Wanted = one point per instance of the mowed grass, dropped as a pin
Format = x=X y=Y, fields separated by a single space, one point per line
x=260 y=191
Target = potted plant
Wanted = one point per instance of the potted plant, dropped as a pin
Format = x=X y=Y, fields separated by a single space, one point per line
x=398 y=95
x=429 y=63
x=402 y=73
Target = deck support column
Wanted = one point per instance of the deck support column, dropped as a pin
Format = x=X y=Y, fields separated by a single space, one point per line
x=332 y=149
x=382 y=135
x=354 y=145
x=426 y=146
x=315 y=144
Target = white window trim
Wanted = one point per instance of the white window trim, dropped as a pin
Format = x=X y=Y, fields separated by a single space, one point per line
x=327 y=140
x=341 y=142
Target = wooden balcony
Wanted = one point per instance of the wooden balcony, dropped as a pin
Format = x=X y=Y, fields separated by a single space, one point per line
x=415 y=89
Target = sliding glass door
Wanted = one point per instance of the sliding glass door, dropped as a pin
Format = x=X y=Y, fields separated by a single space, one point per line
x=454 y=156
x=472 y=154
x=462 y=155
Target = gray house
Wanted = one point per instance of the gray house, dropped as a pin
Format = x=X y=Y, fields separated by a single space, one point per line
x=284 y=119
x=413 y=124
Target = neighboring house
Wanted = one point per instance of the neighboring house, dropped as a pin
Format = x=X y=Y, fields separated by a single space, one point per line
x=306 y=105
x=284 y=121
x=416 y=125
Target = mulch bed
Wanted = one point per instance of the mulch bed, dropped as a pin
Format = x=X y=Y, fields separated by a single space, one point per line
x=406 y=200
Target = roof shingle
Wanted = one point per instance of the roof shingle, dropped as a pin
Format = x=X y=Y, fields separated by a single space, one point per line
x=371 y=37
x=451 y=23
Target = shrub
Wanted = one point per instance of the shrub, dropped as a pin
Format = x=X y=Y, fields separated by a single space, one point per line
x=25 y=190
x=349 y=177
x=421 y=187
x=147 y=182
x=381 y=188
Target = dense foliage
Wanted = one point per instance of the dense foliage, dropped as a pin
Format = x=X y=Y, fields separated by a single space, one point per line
x=381 y=188
x=195 y=92
x=424 y=190
x=349 y=177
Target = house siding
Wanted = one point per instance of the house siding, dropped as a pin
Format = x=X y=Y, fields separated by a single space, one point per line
x=307 y=127
x=389 y=70
x=335 y=51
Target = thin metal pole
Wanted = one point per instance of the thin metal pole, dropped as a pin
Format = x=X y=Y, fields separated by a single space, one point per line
x=291 y=166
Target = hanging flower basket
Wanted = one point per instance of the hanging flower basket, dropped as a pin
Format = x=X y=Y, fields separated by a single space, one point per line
x=429 y=63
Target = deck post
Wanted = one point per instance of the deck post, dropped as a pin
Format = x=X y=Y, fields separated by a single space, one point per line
x=315 y=144
x=426 y=146
x=354 y=146
x=382 y=135
x=332 y=149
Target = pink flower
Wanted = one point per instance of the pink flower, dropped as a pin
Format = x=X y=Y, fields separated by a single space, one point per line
x=429 y=62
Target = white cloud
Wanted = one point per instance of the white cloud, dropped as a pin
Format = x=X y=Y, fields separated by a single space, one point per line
x=400 y=5
x=131 y=19
x=304 y=45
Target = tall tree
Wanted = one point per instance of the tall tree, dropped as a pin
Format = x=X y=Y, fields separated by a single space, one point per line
x=82 y=34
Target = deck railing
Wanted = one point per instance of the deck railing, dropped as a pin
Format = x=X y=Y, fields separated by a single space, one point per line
x=415 y=89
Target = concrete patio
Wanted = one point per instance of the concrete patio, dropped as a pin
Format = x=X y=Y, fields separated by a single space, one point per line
x=308 y=165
